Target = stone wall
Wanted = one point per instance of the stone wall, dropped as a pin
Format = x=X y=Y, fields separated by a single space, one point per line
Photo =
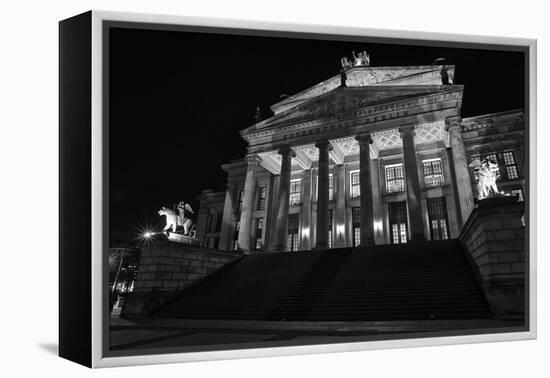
x=165 y=269
x=494 y=238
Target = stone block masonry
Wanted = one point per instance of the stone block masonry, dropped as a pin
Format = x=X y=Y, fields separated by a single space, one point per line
x=494 y=238
x=166 y=268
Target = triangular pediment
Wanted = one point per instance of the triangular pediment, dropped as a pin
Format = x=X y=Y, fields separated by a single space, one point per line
x=362 y=76
x=344 y=99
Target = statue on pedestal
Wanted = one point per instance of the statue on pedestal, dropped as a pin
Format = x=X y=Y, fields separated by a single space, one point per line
x=486 y=173
x=360 y=59
x=187 y=218
x=346 y=63
x=343 y=77
x=184 y=218
x=171 y=219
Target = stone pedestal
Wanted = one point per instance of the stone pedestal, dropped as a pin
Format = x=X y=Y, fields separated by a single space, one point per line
x=165 y=269
x=494 y=238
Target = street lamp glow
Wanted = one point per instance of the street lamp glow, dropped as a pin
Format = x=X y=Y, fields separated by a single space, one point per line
x=148 y=235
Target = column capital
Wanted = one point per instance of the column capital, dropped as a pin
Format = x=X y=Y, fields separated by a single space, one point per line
x=406 y=130
x=364 y=139
x=287 y=150
x=324 y=143
x=252 y=159
x=452 y=122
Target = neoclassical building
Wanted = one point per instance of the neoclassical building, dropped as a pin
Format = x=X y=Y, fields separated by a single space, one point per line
x=378 y=156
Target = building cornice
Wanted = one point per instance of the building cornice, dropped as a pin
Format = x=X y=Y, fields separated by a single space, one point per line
x=344 y=123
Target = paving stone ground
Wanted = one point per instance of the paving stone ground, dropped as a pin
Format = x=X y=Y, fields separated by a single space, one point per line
x=152 y=334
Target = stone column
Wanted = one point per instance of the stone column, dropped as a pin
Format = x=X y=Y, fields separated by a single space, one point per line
x=339 y=232
x=305 y=232
x=271 y=230
x=365 y=188
x=226 y=233
x=414 y=207
x=248 y=204
x=322 y=195
x=378 y=225
x=461 y=171
x=281 y=223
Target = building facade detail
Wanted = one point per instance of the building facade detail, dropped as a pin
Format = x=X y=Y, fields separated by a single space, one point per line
x=383 y=160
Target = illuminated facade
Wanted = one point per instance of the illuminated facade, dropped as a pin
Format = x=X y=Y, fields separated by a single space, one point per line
x=383 y=159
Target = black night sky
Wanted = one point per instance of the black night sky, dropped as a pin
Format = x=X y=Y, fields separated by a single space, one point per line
x=177 y=101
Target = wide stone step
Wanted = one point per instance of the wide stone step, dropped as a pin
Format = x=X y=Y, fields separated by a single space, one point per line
x=421 y=281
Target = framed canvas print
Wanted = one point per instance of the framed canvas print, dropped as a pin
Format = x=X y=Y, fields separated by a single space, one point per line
x=235 y=189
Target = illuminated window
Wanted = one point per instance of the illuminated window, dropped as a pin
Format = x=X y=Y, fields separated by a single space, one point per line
x=330 y=187
x=355 y=187
x=519 y=193
x=241 y=195
x=398 y=222
x=433 y=173
x=259 y=232
x=295 y=191
x=395 y=181
x=510 y=164
x=330 y=228
x=292 y=235
x=261 y=198
x=356 y=225
x=491 y=157
x=437 y=214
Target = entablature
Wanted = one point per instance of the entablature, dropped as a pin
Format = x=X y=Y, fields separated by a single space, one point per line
x=428 y=134
x=428 y=108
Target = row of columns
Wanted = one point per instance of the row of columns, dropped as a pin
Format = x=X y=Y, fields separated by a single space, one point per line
x=366 y=190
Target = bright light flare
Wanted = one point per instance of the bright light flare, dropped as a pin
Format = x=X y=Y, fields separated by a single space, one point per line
x=146 y=234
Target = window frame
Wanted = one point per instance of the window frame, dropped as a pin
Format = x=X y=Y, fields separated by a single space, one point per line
x=352 y=185
x=402 y=227
x=295 y=193
x=441 y=230
x=432 y=174
x=513 y=166
x=259 y=232
x=395 y=179
x=330 y=186
x=240 y=199
x=356 y=226
x=261 y=199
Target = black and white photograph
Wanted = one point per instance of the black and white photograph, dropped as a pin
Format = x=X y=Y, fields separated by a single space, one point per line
x=289 y=188
x=278 y=189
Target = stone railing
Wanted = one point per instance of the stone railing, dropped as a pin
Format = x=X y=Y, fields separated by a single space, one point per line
x=165 y=269
x=494 y=238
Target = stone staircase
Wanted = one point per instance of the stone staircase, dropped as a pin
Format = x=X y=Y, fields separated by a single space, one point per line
x=424 y=280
